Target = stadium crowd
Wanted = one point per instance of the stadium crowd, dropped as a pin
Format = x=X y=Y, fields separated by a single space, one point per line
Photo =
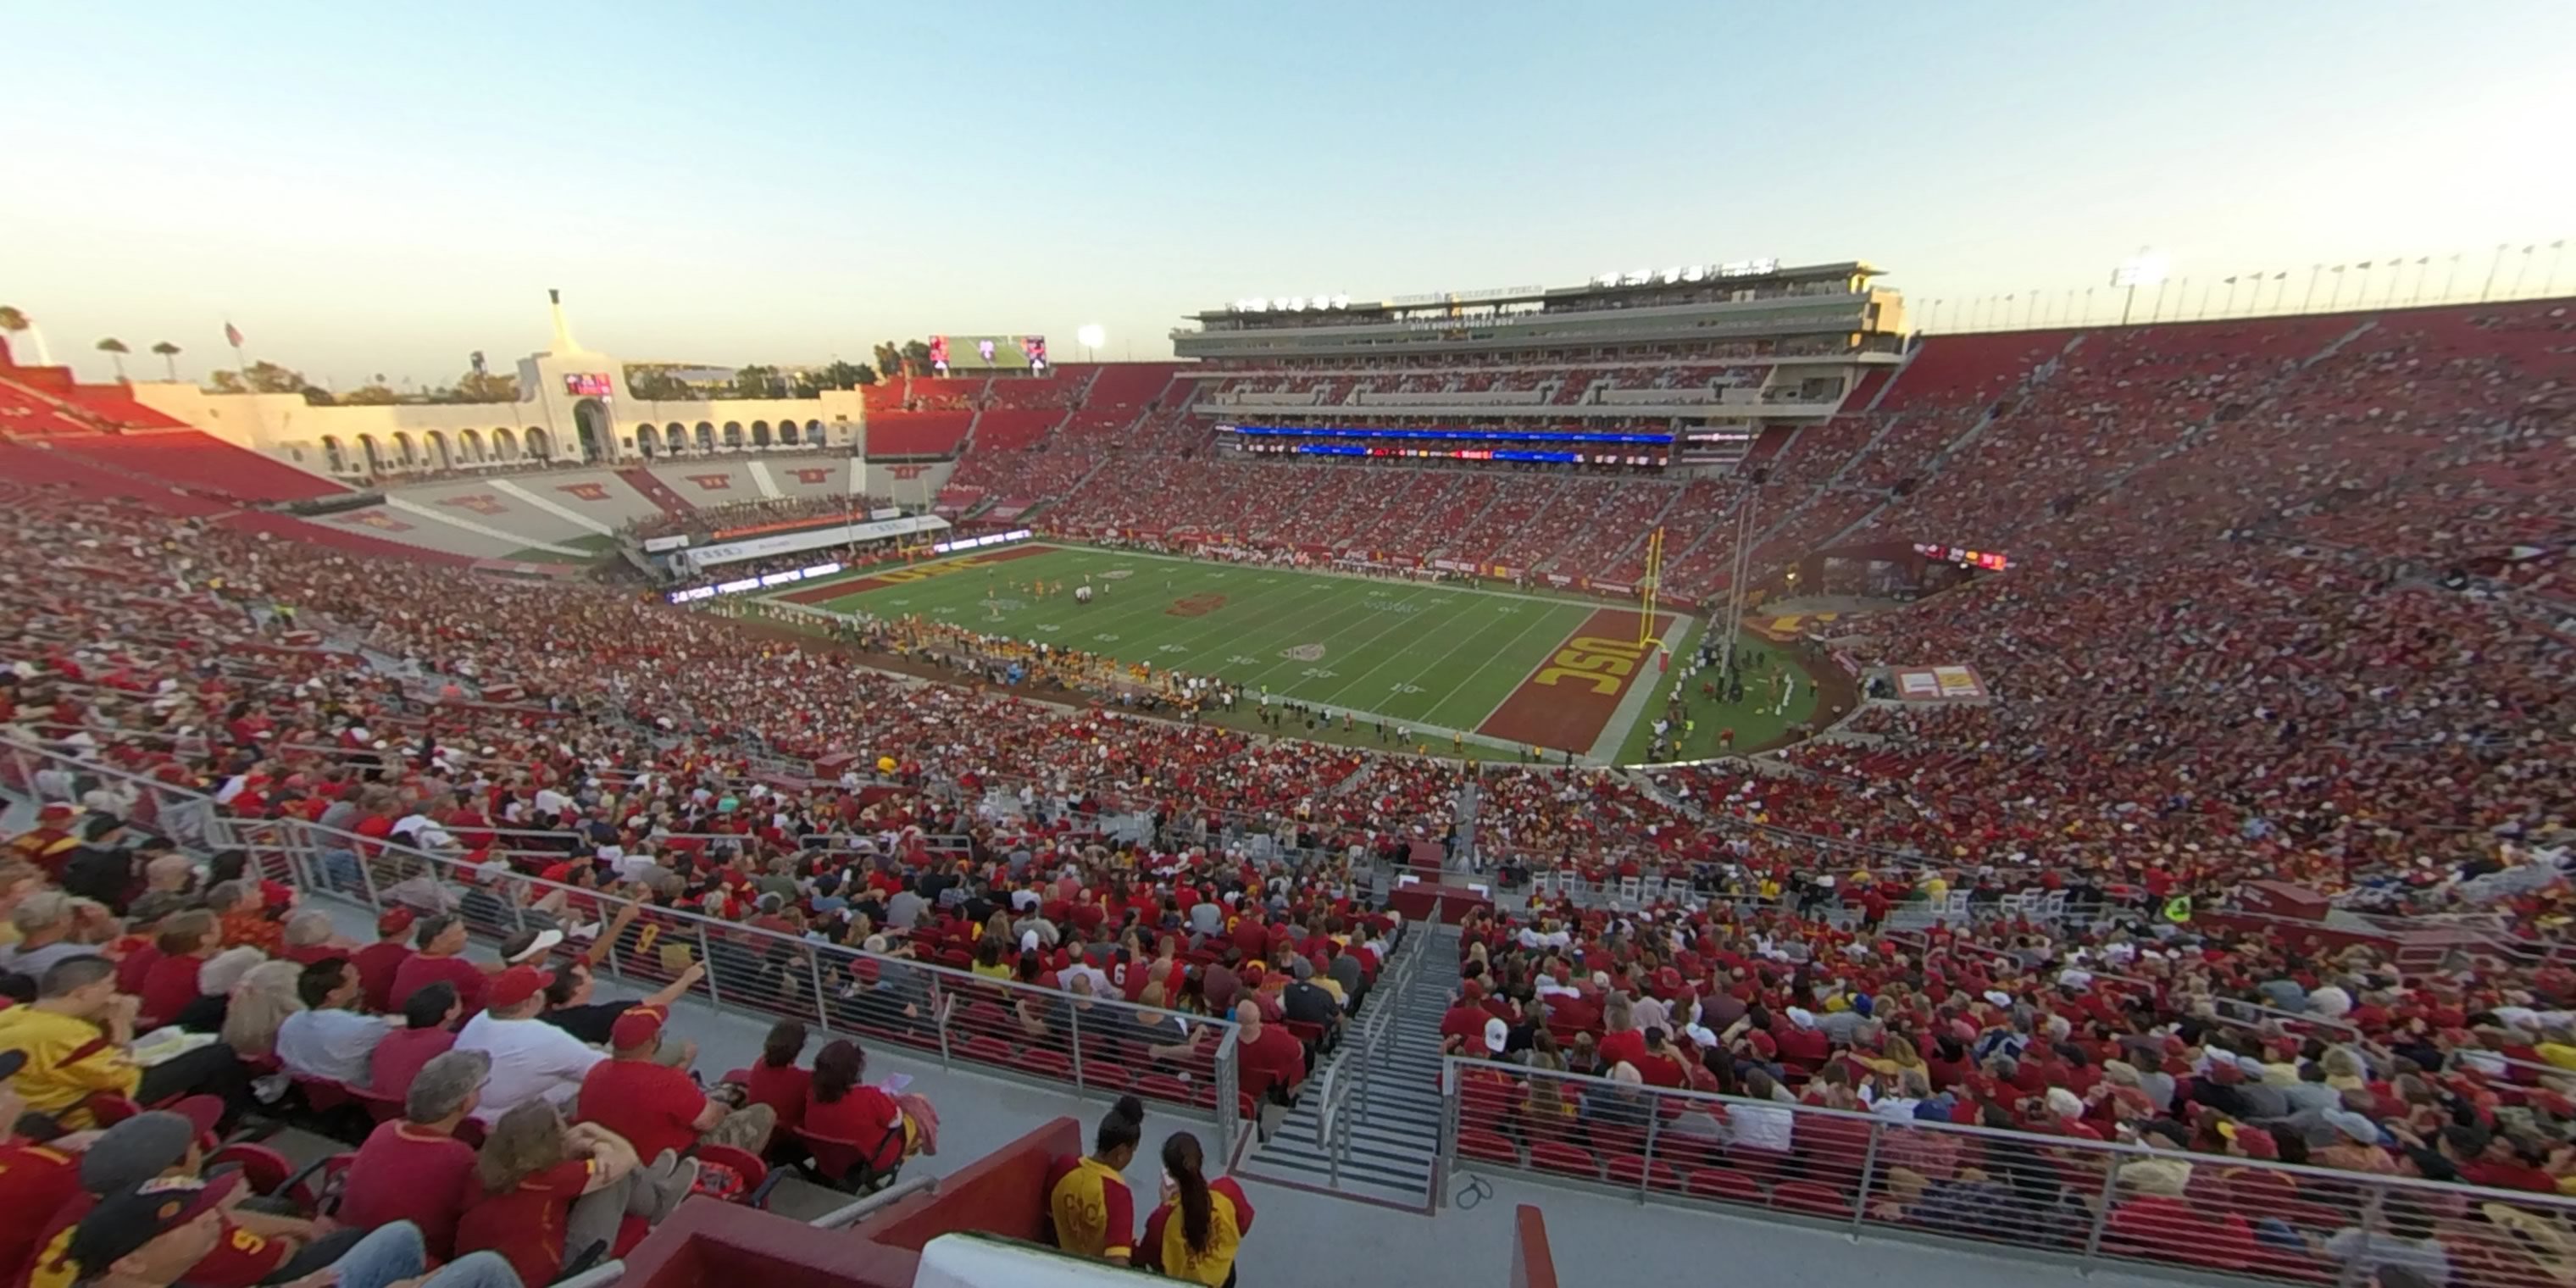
x=2207 y=678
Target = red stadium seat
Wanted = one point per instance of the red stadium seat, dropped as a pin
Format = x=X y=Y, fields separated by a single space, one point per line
x=1565 y=1160
x=1628 y=1169
x=1726 y=1185
x=1486 y=1146
x=1163 y=1086
x=1811 y=1198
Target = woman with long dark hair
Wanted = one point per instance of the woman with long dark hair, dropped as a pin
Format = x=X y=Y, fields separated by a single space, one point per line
x=1195 y=1234
x=840 y=1107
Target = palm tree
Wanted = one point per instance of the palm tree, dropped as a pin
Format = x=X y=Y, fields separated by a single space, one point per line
x=115 y=350
x=169 y=357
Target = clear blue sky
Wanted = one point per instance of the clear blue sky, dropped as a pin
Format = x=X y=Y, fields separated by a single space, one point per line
x=373 y=188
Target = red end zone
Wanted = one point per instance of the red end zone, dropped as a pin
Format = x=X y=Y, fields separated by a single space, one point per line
x=1569 y=698
x=922 y=572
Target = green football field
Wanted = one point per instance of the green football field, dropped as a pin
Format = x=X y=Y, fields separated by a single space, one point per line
x=1487 y=671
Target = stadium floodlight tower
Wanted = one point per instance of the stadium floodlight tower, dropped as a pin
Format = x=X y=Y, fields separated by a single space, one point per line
x=1091 y=337
x=2146 y=268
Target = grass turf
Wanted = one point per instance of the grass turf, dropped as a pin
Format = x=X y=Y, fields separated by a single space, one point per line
x=1429 y=656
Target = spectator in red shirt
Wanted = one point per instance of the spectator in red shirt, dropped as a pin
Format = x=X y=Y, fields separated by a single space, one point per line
x=656 y=1107
x=170 y=986
x=1465 y=1019
x=545 y=1194
x=1621 y=1043
x=413 y=1168
x=442 y=944
x=1274 y=1061
x=380 y=961
x=140 y=947
x=1251 y=940
x=842 y=1108
x=1662 y=1065
x=429 y=1029
x=777 y=1081
x=34 y=1180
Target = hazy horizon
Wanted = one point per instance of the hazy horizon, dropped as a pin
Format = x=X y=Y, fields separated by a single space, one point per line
x=370 y=191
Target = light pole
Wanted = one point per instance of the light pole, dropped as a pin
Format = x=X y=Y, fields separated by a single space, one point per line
x=1090 y=337
x=2146 y=268
x=2494 y=266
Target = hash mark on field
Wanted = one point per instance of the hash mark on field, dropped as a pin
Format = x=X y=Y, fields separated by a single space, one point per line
x=1106 y=638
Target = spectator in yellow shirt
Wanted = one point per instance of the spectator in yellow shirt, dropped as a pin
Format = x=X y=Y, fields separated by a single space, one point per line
x=78 y=1036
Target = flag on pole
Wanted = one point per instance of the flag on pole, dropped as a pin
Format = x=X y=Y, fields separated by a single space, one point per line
x=232 y=335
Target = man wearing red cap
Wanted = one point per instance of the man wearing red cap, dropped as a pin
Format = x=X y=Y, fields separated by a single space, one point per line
x=531 y=1059
x=657 y=1107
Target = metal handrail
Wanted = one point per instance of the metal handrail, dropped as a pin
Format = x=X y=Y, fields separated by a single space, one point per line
x=304 y=855
x=1876 y=1181
x=859 y=1209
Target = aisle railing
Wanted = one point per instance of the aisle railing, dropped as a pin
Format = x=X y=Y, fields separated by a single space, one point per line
x=1888 y=1172
x=941 y=1007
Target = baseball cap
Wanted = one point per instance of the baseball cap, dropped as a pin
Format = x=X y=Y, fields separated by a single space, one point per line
x=394 y=922
x=1497 y=1035
x=516 y=985
x=538 y=945
x=635 y=1026
x=135 y=1215
x=146 y=1145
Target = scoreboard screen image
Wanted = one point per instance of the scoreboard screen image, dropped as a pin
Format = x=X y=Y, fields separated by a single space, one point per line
x=984 y=354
